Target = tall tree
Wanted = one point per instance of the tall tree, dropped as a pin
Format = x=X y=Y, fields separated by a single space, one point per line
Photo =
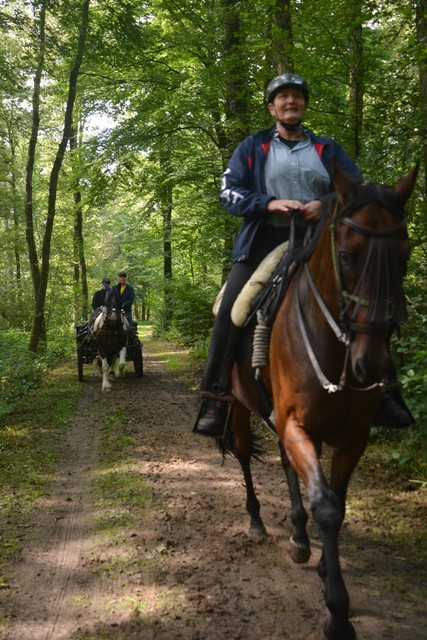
x=39 y=317
x=282 y=38
x=421 y=28
x=40 y=11
x=81 y=298
x=165 y=193
x=356 y=73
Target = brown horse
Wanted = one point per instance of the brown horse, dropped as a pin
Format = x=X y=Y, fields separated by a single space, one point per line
x=327 y=357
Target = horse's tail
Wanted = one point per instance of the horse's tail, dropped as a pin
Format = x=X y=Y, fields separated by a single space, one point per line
x=226 y=445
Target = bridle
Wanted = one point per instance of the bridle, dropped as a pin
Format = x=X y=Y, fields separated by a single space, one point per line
x=382 y=254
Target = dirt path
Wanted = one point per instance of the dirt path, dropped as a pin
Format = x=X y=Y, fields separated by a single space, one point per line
x=178 y=563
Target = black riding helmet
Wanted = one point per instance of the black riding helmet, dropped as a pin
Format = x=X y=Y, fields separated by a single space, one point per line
x=286 y=80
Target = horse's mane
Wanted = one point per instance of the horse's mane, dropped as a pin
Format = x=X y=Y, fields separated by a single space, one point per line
x=374 y=192
x=368 y=192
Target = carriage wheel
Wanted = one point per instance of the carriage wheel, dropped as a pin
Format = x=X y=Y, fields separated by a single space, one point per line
x=80 y=363
x=138 y=362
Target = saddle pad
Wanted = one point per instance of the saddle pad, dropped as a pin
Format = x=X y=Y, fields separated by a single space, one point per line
x=257 y=281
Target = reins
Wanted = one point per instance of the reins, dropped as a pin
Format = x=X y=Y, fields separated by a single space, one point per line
x=325 y=383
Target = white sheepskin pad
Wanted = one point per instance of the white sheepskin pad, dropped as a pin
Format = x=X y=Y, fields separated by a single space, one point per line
x=259 y=278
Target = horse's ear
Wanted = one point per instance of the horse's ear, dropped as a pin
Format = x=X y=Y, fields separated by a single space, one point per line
x=405 y=186
x=343 y=184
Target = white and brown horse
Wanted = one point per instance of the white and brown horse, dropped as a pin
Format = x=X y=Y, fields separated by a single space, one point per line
x=110 y=329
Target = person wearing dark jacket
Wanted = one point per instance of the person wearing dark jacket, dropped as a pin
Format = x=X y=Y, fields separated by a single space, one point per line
x=272 y=174
x=127 y=293
x=99 y=296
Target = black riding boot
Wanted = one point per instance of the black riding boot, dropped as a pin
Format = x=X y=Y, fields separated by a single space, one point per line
x=213 y=416
x=392 y=411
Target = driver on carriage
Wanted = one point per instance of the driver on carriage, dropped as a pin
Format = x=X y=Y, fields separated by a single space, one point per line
x=99 y=296
x=272 y=174
x=127 y=293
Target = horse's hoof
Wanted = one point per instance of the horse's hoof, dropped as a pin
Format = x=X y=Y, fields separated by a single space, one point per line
x=333 y=631
x=257 y=531
x=299 y=553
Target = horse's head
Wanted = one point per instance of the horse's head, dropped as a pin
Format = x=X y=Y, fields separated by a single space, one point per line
x=113 y=304
x=370 y=250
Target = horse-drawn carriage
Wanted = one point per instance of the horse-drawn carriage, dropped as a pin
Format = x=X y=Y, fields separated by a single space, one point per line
x=87 y=350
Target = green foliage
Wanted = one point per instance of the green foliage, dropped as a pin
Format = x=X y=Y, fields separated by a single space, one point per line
x=405 y=449
x=20 y=369
x=410 y=452
x=192 y=316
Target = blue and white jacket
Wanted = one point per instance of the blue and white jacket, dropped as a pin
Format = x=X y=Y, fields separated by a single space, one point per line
x=243 y=191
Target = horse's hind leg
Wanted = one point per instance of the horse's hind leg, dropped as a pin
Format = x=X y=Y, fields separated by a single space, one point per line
x=243 y=449
x=299 y=547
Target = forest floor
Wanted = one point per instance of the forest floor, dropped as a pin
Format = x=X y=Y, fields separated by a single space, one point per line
x=142 y=535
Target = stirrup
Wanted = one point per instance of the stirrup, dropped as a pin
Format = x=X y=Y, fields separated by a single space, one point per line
x=208 y=395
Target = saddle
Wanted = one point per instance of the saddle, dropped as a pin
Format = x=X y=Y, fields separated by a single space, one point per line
x=258 y=288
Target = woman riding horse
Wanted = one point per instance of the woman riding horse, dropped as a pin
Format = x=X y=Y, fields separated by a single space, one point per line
x=271 y=175
x=325 y=366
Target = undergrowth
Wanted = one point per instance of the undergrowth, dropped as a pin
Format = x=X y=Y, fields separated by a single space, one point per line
x=29 y=439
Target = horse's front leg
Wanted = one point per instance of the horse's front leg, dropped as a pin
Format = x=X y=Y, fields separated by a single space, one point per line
x=122 y=362
x=343 y=464
x=328 y=515
x=106 y=384
x=299 y=547
x=243 y=449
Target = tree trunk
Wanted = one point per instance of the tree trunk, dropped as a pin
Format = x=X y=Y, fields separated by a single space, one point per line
x=237 y=98
x=282 y=39
x=237 y=103
x=356 y=76
x=421 y=17
x=81 y=295
x=165 y=194
x=29 y=218
x=15 y=212
x=39 y=318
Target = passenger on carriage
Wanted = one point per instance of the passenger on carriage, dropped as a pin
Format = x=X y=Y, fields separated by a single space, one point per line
x=272 y=174
x=99 y=296
x=127 y=293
